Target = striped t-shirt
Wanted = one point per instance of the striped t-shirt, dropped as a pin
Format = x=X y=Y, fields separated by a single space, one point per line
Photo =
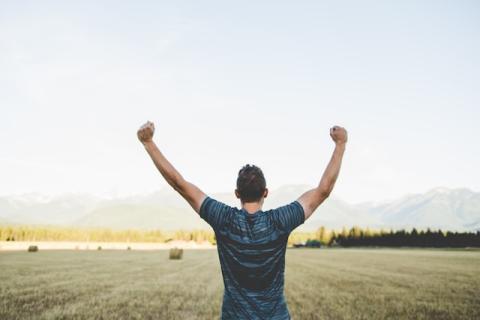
x=251 y=249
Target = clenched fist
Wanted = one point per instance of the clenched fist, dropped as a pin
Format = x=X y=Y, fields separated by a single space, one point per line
x=145 y=133
x=339 y=135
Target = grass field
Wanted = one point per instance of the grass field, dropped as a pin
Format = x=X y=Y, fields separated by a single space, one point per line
x=320 y=284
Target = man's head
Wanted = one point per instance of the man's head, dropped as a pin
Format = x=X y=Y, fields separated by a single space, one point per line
x=251 y=184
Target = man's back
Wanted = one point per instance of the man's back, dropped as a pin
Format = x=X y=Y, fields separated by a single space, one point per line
x=251 y=249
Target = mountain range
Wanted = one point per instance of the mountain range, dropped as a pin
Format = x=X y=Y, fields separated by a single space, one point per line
x=439 y=208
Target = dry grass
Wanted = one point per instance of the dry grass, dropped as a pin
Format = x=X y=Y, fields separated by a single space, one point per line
x=320 y=284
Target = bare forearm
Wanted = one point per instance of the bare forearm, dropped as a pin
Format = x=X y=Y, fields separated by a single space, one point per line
x=330 y=174
x=311 y=199
x=168 y=171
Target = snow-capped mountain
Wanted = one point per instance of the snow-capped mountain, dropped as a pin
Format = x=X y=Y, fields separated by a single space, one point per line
x=439 y=208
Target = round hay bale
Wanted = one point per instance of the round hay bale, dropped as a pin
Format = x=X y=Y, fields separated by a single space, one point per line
x=32 y=248
x=99 y=248
x=176 y=254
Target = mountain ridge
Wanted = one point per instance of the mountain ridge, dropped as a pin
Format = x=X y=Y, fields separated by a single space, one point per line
x=438 y=208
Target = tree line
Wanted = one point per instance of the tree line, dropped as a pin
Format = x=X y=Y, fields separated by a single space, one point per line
x=358 y=237
x=352 y=237
x=51 y=233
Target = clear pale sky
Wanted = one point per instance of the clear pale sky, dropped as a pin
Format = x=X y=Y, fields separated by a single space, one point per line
x=229 y=84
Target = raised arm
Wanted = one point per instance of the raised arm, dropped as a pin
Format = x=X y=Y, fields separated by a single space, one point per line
x=187 y=190
x=311 y=199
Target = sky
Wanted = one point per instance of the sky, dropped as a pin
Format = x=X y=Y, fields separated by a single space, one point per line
x=233 y=83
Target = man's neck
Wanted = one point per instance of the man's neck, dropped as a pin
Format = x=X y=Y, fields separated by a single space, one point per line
x=252 y=207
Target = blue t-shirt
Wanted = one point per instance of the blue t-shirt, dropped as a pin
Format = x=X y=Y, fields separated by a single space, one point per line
x=251 y=249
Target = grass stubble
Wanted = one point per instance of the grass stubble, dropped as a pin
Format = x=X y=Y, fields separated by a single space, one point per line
x=319 y=284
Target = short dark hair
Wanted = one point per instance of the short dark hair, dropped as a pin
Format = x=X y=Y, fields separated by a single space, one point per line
x=251 y=183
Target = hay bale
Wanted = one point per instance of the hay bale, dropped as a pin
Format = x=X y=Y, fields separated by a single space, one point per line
x=32 y=248
x=176 y=254
x=99 y=248
x=128 y=248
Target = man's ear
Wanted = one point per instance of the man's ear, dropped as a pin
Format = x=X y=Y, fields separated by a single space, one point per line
x=265 y=193
x=237 y=194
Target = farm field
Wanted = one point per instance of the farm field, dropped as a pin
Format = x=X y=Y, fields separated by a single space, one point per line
x=319 y=284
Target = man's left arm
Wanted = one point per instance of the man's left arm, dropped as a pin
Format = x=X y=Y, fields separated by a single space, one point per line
x=187 y=190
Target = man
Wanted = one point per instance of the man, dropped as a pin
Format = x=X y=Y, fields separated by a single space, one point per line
x=251 y=243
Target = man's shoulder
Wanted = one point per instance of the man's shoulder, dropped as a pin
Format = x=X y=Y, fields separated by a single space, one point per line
x=210 y=204
x=288 y=216
x=216 y=213
x=293 y=205
x=213 y=201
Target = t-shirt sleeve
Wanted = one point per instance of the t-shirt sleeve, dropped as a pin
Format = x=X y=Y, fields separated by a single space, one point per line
x=215 y=213
x=289 y=217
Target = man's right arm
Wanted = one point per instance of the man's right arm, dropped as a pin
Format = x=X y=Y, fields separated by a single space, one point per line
x=187 y=190
x=311 y=199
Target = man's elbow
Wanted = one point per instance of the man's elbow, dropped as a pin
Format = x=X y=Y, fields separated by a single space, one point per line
x=177 y=187
x=324 y=192
x=178 y=184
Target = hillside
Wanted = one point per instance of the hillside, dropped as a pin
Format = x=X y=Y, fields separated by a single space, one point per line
x=448 y=209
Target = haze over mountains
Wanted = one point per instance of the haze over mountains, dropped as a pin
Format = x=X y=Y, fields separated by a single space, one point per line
x=439 y=208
